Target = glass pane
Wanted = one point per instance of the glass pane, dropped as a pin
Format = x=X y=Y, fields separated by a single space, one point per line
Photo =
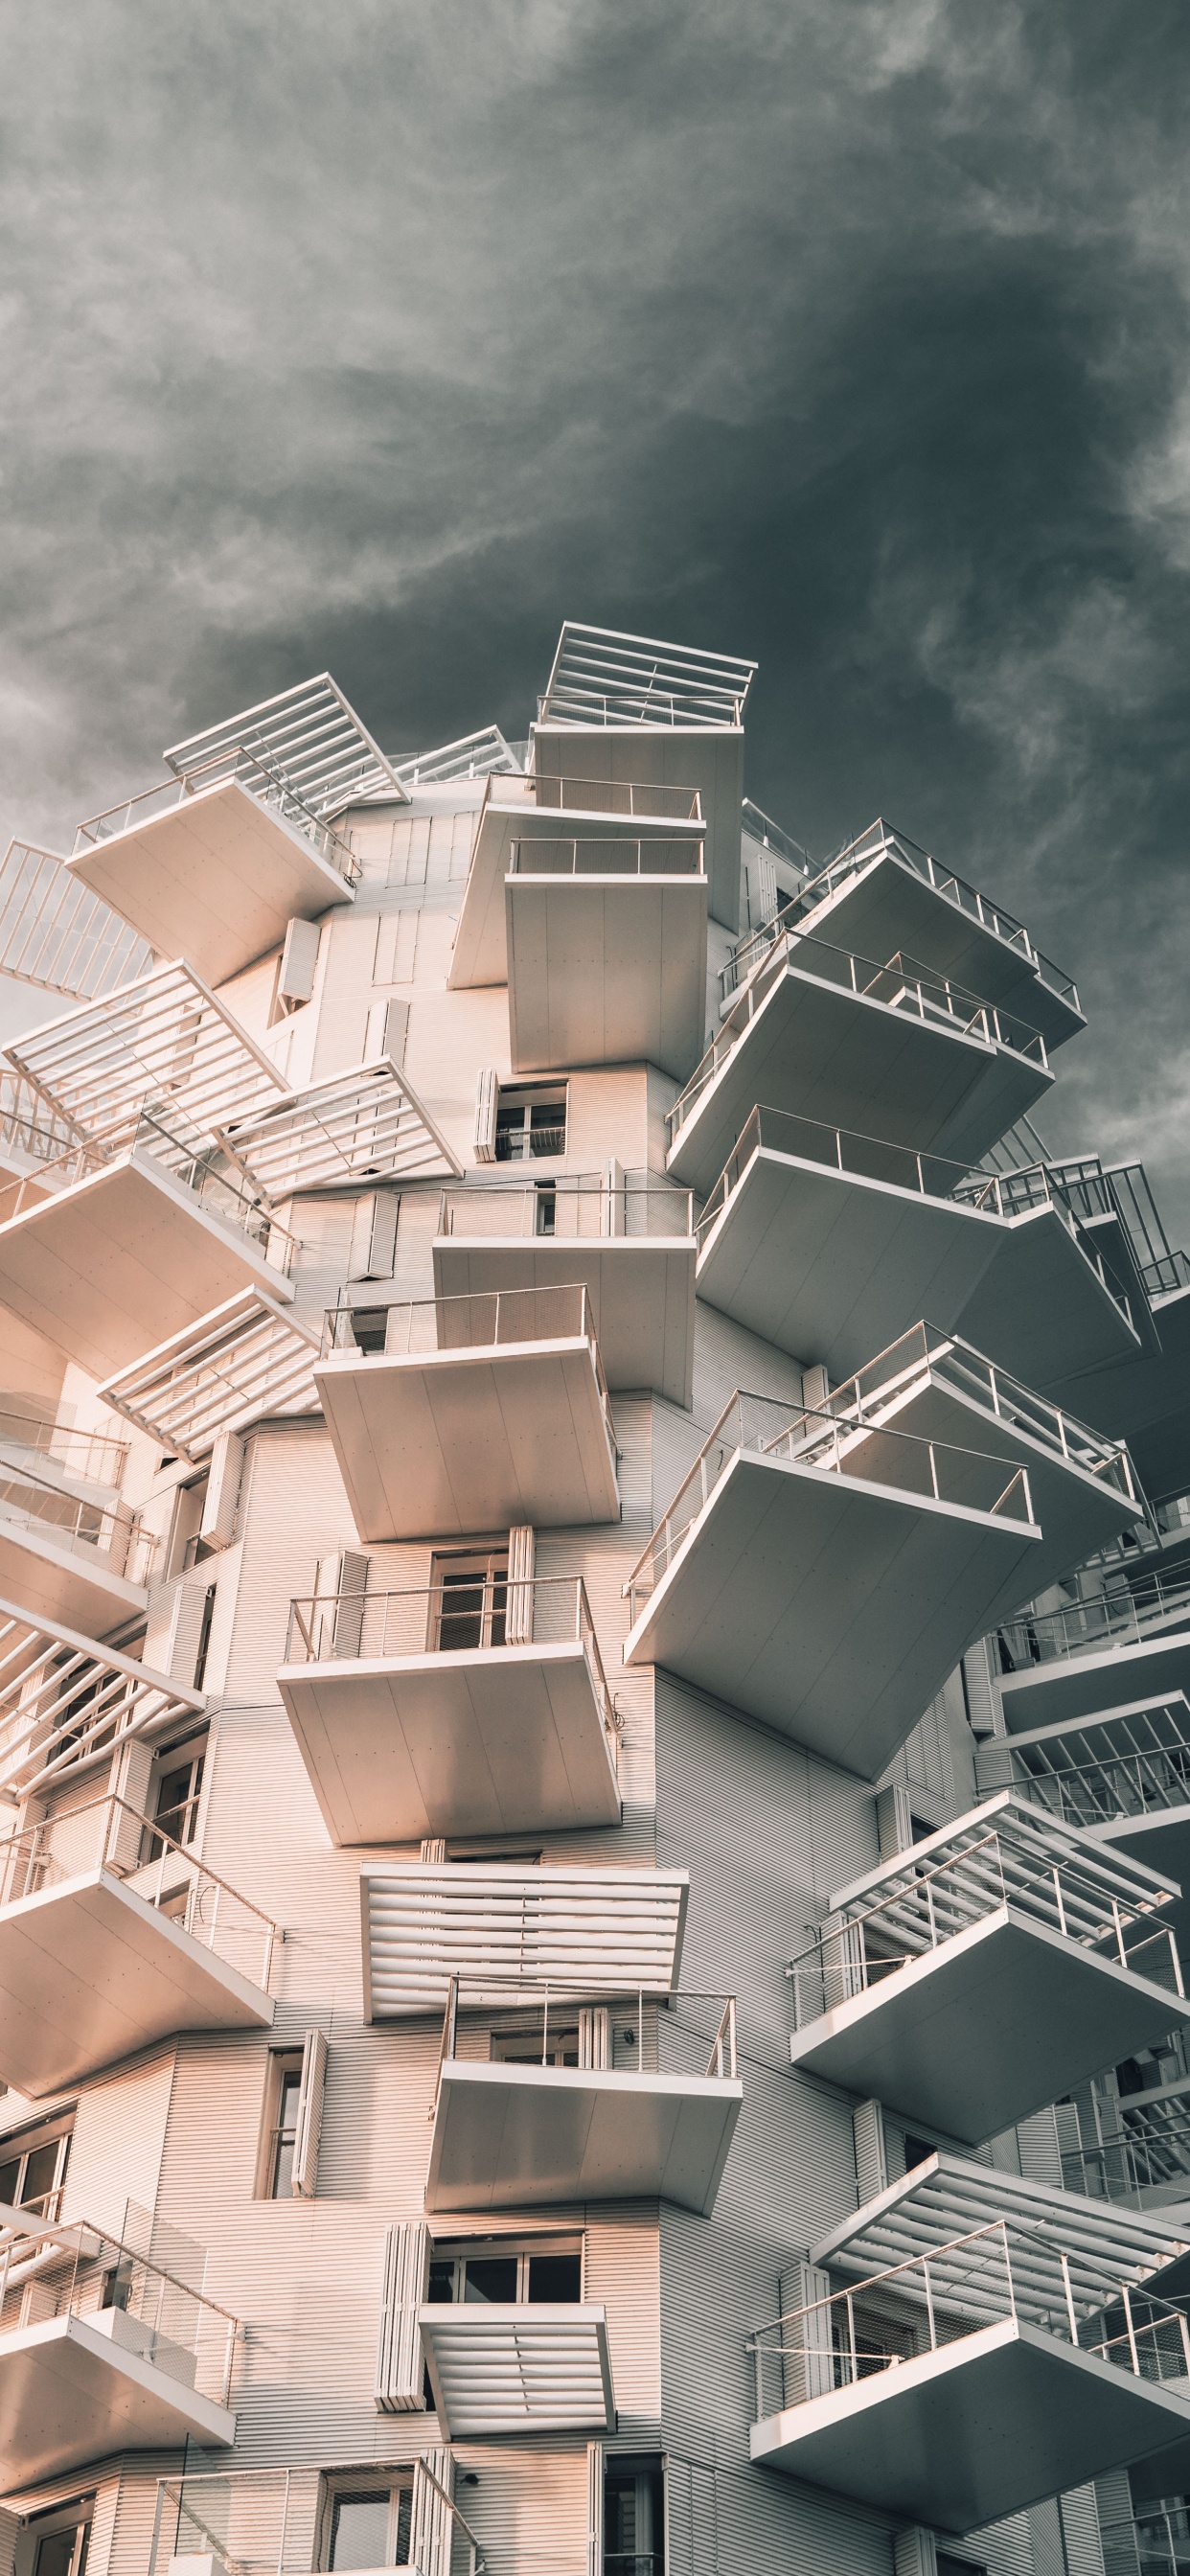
x=404 y=2525
x=40 y=2169
x=555 y=2279
x=493 y=2278
x=10 y=2178
x=55 y=2552
x=442 y=2285
x=359 y=2531
x=460 y=1621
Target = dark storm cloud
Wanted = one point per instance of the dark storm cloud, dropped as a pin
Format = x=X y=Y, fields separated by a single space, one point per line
x=850 y=336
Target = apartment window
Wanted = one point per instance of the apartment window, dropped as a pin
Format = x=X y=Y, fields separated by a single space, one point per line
x=530 y=1120
x=176 y=1792
x=279 y=2137
x=368 y=2525
x=34 y=2171
x=528 y=2274
x=55 y=2543
x=634 y=2518
x=524 y=2047
x=469 y=1600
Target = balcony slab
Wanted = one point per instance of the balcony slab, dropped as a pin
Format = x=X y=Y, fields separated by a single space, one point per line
x=90 y=1973
x=976 y=2431
x=819 y=1050
x=450 y=1442
x=504 y=2369
x=831 y=1608
x=607 y=970
x=886 y=908
x=1145 y=1400
x=216 y=879
x=641 y=1290
x=487 y=1740
x=115 y=1264
x=528 y=2137
x=1073 y=1686
x=987 y=2028
x=73 y=1585
x=709 y=759
x=77 y=2389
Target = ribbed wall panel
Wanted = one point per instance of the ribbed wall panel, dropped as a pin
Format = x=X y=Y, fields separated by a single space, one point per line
x=119 y=2139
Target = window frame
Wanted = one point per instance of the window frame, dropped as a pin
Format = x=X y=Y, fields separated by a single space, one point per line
x=619 y=2466
x=76 y=2517
x=23 y=2143
x=342 y=2484
x=461 y=2250
x=528 y=1096
x=282 y=2064
x=485 y=1572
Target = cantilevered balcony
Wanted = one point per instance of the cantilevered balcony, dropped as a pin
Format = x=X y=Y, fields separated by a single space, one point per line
x=470 y=1413
x=244 y=1360
x=163 y=1046
x=101 y=2352
x=630 y=1244
x=113 y=1935
x=992 y=2344
x=518 y=2369
x=482 y=1710
x=108 y=1249
x=826 y=1242
x=1123 y=1776
x=988 y=1972
x=1130 y=1642
x=64 y=1700
x=884 y=893
x=518 y=811
x=826 y=1583
x=67 y=1551
x=607 y=953
x=215 y=863
x=511 y=2134
x=879 y=1046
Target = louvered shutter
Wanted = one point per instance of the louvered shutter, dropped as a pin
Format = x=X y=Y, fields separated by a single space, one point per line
x=309 y=2115
x=429 y=2540
x=399 y=2357
x=871 y=2164
x=487 y=1095
x=518 y=1616
x=894 y=1821
x=808 y=2360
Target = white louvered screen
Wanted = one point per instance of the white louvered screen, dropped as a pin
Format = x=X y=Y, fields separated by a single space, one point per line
x=487 y=1094
x=432 y=2518
x=399 y=2354
x=871 y=2164
x=510 y=2369
x=241 y=1361
x=163 y=1046
x=808 y=2365
x=518 y=1615
x=506 y=1932
x=309 y=2115
x=56 y=934
x=894 y=1821
x=299 y=958
x=221 y=1504
x=594 y=2037
x=367 y=1123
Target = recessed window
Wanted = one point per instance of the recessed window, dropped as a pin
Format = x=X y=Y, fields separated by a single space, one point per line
x=469 y=1600
x=369 y=2526
x=506 y=2276
x=61 y=2548
x=634 y=2518
x=34 y=2171
x=175 y=1792
x=279 y=2127
x=530 y=1121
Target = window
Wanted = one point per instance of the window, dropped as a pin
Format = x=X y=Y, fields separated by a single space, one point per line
x=56 y=2543
x=524 y=2048
x=634 y=2518
x=530 y=2274
x=469 y=1600
x=175 y=1791
x=279 y=2129
x=34 y=2171
x=369 y=2525
x=530 y=1121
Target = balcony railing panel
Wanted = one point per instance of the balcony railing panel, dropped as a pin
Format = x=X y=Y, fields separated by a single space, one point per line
x=163 y=1047
x=57 y=935
x=577 y=1207
x=81 y=2271
x=108 y=1834
x=224 y=1190
x=610 y=858
x=924 y=1354
x=1134 y=1761
x=367 y=1627
x=244 y=1358
x=64 y=1700
x=90 y=1457
x=600 y=677
x=489 y=1320
x=111 y=1533
x=1122 y=1616
x=646 y=799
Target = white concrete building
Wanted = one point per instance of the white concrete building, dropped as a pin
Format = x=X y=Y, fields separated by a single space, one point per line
x=594 y=1675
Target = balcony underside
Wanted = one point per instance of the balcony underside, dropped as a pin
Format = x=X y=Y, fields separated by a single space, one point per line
x=823 y=1052
x=889 y=909
x=519 y=2369
x=832 y=1266
x=830 y=1608
x=121 y=1261
x=1162 y=1842
x=215 y=879
x=1084 y=1685
x=70 y=1585
x=607 y=970
x=481 y=940
x=529 y=2137
x=976 y=2431
x=709 y=760
x=641 y=1291
x=491 y=1740
x=990 y=2026
x=1146 y=1400
x=89 y=1973
x=445 y=1443
x=76 y=2389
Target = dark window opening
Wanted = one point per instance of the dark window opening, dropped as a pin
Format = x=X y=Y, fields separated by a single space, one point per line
x=528 y=1126
x=634 y=2518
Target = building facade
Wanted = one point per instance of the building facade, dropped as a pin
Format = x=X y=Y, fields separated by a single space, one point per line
x=595 y=1589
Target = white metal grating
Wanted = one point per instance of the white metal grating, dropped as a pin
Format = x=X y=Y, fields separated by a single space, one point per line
x=509 y=1932
x=310 y=736
x=242 y=1360
x=947 y=2198
x=513 y=2369
x=474 y=755
x=63 y=1699
x=367 y=1124
x=58 y=935
x=162 y=1047
x=602 y=677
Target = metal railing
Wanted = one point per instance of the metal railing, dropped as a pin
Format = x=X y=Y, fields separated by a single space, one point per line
x=576 y=1207
x=883 y=842
x=808 y=1436
x=761 y=828
x=1093 y=1902
x=28 y=1120
x=267 y=2522
x=635 y=797
x=924 y=1356
x=1116 y=1618
x=898 y=983
x=230 y=765
x=456 y=1618
x=588 y=858
x=1097 y=1793
x=1135 y=2160
x=110 y=1835
x=488 y=1319
x=200 y=1166
x=106 y=1530
x=1155 y=2542
x=81 y=2271
x=556 y=1997
x=995 y=2274
x=91 y=1456
x=1170 y=1270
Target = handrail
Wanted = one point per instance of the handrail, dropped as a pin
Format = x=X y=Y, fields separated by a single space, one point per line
x=576 y=1206
x=105 y=1457
x=231 y=765
x=1123 y=1617
x=188 y=1160
x=722 y=2062
x=366 y=1627
x=30 y=1501
x=29 y=1857
x=647 y=799
x=105 y=2274
x=907 y=986
x=956 y=1364
x=611 y=858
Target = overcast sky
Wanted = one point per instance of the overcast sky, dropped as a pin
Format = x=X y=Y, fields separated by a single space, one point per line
x=846 y=334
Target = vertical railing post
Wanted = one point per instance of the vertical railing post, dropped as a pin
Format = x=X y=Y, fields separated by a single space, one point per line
x=1070 y=2314
x=930 y=2304
x=851 y=2345
x=1131 y=2332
